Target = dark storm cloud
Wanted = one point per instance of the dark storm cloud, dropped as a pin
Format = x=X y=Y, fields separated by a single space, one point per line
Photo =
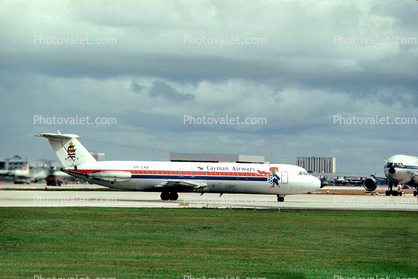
x=395 y=70
x=172 y=67
x=160 y=88
x=405 y=15
x=137 y=87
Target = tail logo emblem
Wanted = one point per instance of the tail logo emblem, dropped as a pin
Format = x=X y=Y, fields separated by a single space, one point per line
x=71 y=151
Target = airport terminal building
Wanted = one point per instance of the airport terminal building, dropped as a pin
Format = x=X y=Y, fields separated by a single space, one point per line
x=15 y=163
x=317 y=164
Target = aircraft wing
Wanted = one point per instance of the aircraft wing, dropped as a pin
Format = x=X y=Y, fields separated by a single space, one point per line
x=361 y=176
x=369 y=181
x=191 y=185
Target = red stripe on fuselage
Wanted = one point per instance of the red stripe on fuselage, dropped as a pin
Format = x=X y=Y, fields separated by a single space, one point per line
x=193 y=173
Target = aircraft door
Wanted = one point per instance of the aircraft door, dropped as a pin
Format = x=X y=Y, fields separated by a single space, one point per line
x=284 y=177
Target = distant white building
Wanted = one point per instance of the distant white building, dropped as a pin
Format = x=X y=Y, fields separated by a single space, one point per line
x=317 y=164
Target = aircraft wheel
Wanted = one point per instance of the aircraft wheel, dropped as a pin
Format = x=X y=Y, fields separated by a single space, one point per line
x=165 y=196
x=388 y=193
x=280 y=199
x=395 y=193
x=415 y=193
x=174 y=196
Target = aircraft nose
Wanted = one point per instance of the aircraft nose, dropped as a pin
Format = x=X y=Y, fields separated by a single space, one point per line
x=317 y=183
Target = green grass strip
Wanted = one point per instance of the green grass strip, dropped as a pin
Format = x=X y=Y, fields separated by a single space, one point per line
x=120 y=243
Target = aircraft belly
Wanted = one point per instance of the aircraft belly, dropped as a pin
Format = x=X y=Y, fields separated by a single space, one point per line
x=241 y=187
x=146 y=184
x=400 y=178
x=219 y=187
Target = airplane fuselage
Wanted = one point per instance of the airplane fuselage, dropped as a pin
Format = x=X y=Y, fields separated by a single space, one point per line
x=169 y=178
x=277 y=179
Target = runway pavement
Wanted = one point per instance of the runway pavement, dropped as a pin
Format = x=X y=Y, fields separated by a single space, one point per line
x=78 y=196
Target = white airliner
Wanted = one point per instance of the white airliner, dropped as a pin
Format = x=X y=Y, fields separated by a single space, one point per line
x=169 y=178
x=399 y=170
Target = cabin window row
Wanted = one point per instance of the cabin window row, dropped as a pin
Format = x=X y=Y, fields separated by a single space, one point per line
x=194 y=173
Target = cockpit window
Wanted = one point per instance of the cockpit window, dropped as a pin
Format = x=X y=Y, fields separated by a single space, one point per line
x=303 y=173
x=389 y=165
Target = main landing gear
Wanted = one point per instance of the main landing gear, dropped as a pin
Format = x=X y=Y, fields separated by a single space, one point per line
x=280 y=198
x=165 y=196
x=391 y=192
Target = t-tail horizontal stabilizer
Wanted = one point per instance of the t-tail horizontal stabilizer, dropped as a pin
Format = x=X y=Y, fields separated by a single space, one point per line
x=68 y=149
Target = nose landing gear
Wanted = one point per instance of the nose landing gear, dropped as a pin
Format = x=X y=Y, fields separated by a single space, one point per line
x=280 y=198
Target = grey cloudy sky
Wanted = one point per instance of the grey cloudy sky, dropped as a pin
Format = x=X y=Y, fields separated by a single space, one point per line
x=296 y=64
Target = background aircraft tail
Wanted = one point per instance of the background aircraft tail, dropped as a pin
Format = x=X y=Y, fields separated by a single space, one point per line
x=68 y=149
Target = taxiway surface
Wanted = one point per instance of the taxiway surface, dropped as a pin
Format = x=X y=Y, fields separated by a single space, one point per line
x=88 y=195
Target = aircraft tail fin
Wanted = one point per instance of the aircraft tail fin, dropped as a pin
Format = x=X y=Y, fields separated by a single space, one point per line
x=68 y=149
